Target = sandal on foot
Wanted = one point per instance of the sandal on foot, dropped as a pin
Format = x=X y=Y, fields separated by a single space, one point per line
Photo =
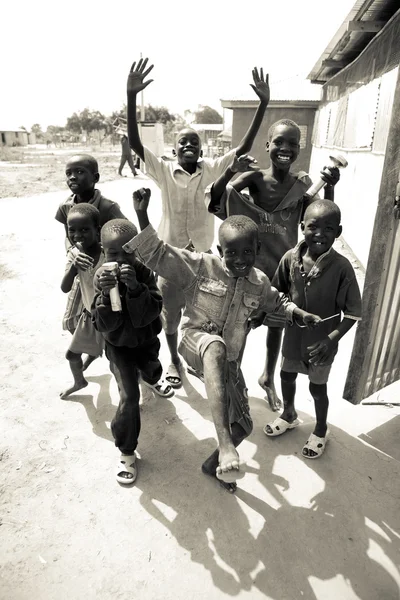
x=162 y=388
x=316 y=444
x=127 y=466
x=279 y=426
x=173 y=376
x=196 y=373
x=232 y=475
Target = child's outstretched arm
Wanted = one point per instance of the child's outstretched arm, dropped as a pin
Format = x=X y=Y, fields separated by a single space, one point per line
x=261 y=88
x=240 y=164
x=135 y=85
x=176 y=265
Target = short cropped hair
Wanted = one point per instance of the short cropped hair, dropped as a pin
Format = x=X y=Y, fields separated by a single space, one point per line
x=120 y=227
x=189 y=130
x=287 y=122
x=327 y=207
x=239 y=223
x=89 y=159
x=87 y=210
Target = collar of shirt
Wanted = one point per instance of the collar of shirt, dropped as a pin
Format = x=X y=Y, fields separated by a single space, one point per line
x=319 y=265
x=199 y=167
x=252 y=276
x=93 y=200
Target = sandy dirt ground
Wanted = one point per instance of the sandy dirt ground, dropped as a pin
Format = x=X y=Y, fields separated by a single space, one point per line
x=296 y=529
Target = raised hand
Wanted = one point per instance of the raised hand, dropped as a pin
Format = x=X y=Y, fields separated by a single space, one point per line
x=141 y=199
x=261 y=85
x=244 y=163
x=136 y=76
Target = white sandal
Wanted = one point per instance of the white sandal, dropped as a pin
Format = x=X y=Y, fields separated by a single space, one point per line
x=162 y=388
x=316 y=444
x=127 y=464
x=279 y=426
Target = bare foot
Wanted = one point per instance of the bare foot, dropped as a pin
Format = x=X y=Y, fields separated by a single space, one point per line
x=228 y=469
x=88 y=361
x=78 y=385
x=209 y=467
x=274 y=401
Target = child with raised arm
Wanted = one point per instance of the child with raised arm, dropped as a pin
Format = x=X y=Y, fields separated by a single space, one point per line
x=277 y=205
x=221 y=294
x=83 y=258
x=320 y=280
x=185 y=219
x=82 y=174
x=131 y=336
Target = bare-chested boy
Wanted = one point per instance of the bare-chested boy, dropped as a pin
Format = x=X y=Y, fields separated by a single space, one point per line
x=277 y=205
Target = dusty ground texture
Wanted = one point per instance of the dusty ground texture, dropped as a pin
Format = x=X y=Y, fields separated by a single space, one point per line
x=25 y=171
x=296 y=529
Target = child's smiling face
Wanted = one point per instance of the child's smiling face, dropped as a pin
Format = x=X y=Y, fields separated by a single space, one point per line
x=188 y=147
x=239 y=250
x=320 y=228
x=81 y=229
x=284 y=146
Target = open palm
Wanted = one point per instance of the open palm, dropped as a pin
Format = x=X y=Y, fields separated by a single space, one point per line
x=261 y=85
x=136 y=76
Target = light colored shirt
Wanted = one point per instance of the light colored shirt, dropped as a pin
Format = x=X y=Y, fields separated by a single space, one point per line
x=184 y=214
x=215 y=300
x=86 y=279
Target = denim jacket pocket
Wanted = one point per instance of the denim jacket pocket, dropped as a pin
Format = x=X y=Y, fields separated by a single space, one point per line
x=210 y=296
x=249 y=305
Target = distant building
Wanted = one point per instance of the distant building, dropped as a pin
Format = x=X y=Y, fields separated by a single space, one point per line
x=15 y=136
x=293 y=99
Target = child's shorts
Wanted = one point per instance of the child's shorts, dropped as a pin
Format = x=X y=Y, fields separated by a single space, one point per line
x=173 y=305
x=318 y=374
x=86 y=339
x=193 y=345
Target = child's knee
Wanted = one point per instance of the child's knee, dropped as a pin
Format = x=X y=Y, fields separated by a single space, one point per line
x=288 y=377
x=215 y=352
x=73 y=357
x=318 y=390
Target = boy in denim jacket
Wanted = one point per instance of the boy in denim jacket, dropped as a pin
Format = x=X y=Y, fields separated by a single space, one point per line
x=221 y=294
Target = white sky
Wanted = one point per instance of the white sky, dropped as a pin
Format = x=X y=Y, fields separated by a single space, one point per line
x=57 y=58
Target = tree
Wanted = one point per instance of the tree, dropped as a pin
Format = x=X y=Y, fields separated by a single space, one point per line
x=207 y=115
x=86 y=120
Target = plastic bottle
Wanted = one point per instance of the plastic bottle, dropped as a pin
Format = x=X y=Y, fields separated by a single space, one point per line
x=336 y=160
x=115 y=298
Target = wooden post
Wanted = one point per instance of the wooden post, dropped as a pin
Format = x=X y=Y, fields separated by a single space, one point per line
x=384 y=223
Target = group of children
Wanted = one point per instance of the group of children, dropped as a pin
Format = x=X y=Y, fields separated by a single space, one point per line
x=215 y=300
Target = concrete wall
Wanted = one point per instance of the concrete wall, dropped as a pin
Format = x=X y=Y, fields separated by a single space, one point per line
x=356 y=194
x=302 y=116
x=13 y=138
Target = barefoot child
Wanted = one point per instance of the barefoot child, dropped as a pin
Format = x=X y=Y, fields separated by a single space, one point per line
x=83 y=258
x=220 y=296
x=184 y=219
x=319 y=280
x=131 y=337
x=82 y=173
x=277 y=205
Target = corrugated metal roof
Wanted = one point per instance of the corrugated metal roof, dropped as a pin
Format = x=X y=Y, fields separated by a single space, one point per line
x=353 y=36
